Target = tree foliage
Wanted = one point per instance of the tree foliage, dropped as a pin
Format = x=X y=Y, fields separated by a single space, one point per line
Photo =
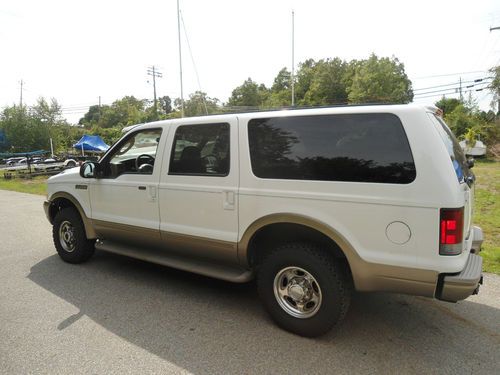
x=31 y=128
x=380 y=80
x=249 y=94
x=199 y=104
x=448 y=105
x=468 y=122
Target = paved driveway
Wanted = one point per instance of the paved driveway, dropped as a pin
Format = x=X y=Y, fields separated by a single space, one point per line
x=118 y=315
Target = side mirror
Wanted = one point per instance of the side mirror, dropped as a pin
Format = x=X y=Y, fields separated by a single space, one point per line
x=88 y=169
x=470 y=163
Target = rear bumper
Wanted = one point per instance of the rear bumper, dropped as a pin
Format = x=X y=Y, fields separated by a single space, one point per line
x=477 y=239
x=456 y=287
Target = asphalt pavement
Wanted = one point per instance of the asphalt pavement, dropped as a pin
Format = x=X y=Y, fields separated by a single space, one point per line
x=119 y=315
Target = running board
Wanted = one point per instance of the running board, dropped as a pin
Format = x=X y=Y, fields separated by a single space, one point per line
x=226 y=273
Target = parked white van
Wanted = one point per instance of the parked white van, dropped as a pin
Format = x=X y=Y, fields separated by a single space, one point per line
x=312 y=202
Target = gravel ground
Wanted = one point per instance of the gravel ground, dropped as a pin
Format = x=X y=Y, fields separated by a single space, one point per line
x=118 y=315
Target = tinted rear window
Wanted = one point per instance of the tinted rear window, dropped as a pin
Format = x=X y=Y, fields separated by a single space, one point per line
x=453 y=147
x=356 y=147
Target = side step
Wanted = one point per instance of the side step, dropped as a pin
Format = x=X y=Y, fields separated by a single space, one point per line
x=217 y=271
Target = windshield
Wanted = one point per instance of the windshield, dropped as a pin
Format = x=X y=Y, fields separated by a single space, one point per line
x=453 y=147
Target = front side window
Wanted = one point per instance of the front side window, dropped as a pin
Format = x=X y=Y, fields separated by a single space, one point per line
x=135 y=154
x=201 y=150
x=351 y=147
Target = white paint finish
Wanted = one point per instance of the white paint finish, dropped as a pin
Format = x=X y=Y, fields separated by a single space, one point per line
x=120 y=200
x=66 y=182
x=202 y=206
x=130 y=199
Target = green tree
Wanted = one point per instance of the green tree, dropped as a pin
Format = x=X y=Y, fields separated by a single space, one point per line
x=495 y=88
x=199 y=104
x=165 y=105
x=92 y=116
x=123 y=112
x=249 y=94
x=328 y=83
x=304 y=77
x=380 y=80
x=31 y=128
x=448 y=105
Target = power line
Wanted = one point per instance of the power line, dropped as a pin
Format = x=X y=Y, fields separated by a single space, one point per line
x=451 y=74
x=452 y=84
x=192 y=60
x=457 y=88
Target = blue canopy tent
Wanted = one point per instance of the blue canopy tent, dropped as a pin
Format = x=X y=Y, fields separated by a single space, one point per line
x=92 y=143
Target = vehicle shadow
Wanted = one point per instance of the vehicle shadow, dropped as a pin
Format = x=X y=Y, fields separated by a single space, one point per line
x=208 y=326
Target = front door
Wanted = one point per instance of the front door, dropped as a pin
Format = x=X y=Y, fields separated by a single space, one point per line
x=124 y=200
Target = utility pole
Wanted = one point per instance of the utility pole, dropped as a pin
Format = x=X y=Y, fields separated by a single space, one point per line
x=21 y=99
x=155 y=73
x=461 y=97
x=293 y=58
x=498 y=93
x=99 y=106
x=180 y=56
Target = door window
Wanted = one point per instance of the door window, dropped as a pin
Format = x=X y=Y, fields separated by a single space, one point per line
x=135 y=154
x=201 y=150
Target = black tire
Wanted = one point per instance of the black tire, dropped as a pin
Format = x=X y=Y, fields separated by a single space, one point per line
x=71 y=164
x=331 y=277
x=76 y=248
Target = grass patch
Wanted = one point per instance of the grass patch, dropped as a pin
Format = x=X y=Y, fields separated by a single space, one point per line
x=36 y=185
x=487 y=211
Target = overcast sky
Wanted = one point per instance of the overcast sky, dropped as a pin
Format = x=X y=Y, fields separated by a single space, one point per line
x=76 y=51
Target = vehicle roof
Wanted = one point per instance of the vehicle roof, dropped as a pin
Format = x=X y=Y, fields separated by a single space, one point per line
x=346 y=109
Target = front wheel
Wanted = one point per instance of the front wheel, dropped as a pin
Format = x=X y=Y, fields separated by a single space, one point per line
x=304 y=289
x=69 y=237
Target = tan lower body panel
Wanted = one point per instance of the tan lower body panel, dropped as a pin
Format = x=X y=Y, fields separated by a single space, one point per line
x=179 y=244
x=372 y=277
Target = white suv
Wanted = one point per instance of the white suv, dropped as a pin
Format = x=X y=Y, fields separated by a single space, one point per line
x=312 y=202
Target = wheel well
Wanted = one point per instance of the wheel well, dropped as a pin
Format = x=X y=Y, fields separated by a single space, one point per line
x=271 y=236
x=57 y=205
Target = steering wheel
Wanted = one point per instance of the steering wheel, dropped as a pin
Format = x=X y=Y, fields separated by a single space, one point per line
x=150 y=161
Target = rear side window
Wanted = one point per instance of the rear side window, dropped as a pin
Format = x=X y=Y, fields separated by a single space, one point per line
x=355 y=147
x=453 y=147
x=201 y=150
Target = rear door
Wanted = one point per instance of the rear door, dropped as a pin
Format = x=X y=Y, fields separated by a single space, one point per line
x=198 y=190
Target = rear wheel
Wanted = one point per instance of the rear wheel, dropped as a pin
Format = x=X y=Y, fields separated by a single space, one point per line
x=305 y=290
x=69 y=237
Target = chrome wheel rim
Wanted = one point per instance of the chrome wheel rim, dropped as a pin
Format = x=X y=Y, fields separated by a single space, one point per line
x=297 y=292
x=67 y=236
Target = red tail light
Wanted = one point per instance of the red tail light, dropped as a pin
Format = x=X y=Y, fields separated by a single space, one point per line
x=451 y=225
